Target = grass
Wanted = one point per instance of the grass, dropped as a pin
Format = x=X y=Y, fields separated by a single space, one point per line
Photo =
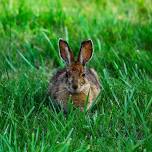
x=122 y=35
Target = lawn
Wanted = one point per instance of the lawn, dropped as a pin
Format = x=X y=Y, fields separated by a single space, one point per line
x=120 y=120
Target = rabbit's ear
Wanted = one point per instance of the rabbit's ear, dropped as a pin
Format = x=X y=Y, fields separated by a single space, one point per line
x=65 y=52
x=86 y=51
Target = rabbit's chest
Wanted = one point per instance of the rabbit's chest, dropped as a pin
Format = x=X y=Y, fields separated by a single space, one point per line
x=79 y=99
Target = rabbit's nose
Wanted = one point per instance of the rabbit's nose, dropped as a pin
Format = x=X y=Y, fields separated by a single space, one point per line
x=74 y=86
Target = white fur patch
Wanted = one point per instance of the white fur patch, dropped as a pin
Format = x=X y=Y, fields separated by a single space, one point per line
x=81 y=58
x=68 y=55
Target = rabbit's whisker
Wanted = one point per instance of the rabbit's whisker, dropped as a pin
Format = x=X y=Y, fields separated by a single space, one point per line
x=60 y=91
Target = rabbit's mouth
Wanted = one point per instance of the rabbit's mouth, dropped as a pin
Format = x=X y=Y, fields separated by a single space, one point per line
x=72 y=91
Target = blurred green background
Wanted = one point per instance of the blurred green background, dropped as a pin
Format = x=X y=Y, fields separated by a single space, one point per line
x=122 y=35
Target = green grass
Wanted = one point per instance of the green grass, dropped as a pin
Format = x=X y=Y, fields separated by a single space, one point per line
x=121 y=119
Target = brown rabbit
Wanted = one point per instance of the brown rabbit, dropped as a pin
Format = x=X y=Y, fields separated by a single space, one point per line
x=75 y=80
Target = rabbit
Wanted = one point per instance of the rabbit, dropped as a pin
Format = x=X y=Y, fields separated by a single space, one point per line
x=75 y=81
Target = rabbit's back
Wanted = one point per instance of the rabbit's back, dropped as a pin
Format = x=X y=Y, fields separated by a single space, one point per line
x=93 y=77
x=93 y=80
x=57 y=87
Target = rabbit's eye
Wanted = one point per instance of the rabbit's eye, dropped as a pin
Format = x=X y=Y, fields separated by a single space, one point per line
x=83 y=74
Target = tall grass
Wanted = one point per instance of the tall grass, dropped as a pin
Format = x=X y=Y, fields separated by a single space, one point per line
x=121 y=117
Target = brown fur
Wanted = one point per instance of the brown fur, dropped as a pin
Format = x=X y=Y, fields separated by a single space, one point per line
x=57 y=87
x=86 y=81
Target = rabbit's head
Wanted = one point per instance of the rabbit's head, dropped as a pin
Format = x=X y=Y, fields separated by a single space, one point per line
x=76 y=76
